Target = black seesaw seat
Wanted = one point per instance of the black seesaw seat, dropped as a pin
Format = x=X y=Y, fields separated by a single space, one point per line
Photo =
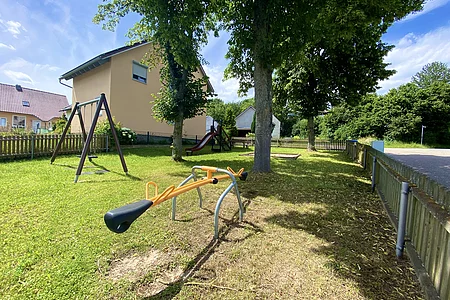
x=119 y=220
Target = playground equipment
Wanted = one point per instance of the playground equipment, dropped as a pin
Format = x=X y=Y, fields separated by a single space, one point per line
x=220 y=137
x=100 y=102
x=119 y=220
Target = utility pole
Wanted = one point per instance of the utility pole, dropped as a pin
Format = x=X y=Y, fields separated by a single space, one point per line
x=421 y=135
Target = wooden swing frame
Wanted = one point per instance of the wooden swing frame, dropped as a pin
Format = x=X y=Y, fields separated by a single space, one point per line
x=101 y=102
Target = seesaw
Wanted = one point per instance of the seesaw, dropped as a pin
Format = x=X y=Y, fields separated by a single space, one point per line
x=119 y=220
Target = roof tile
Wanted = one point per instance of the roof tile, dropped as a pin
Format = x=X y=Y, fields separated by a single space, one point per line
x=43 y=105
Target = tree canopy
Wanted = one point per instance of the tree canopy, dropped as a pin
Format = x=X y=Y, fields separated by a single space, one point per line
x=177 y=30
x=398 y=115
x=265 y=33
x=327 y=74
x=431 y=73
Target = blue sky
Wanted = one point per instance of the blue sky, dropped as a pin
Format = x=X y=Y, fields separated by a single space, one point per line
x=42 y=39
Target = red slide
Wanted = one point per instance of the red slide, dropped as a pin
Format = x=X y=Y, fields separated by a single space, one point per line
x=202 y=142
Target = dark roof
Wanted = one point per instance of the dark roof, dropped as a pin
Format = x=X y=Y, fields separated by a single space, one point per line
x=97 y=61
x=106 y=57
x=43 y=105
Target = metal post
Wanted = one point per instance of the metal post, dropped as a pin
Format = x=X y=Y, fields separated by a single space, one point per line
x=107 y=143
x=174 y=199
x=374 y=167
x=421 y=135
x=148 y=137
x=402 y=219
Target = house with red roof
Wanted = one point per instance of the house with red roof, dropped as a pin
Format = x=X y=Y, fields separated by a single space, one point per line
x=29 y=109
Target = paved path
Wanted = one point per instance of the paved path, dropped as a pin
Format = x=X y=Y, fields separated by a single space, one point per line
x=433 y=162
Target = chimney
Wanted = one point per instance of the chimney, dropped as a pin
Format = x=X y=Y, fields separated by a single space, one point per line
x=18 y=88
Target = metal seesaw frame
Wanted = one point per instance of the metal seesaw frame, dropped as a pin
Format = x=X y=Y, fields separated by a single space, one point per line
x=209 y=172
x=120 y=219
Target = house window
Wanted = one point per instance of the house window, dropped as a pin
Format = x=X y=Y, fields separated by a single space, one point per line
x=26 y=103
x=2 y=122
x=19 y=121
x=139 y=72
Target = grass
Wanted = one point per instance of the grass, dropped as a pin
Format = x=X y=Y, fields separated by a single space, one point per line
x=397 y=144
x=312 y=230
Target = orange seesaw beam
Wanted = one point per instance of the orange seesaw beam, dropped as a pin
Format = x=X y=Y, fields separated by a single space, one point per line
x=171 y=191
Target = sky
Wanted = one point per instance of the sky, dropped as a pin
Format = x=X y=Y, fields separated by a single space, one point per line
x=42 y=39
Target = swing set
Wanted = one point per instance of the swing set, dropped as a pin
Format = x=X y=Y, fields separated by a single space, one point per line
x=87 y=139
x=119 y=220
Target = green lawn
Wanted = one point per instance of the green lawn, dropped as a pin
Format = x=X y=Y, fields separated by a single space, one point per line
x=312 y=230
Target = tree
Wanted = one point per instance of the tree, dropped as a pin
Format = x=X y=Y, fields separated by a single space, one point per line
x=264 y=33
x=328 y=74
x=433 y=106
x=216 y=109
x=398 y=115
x=177 y=30
x=431 y=73
x=229 y=122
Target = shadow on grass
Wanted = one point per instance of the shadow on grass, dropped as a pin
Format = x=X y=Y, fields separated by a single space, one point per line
x=360 y=239
x=174 y=288
x=102 y=170
x=360 y=242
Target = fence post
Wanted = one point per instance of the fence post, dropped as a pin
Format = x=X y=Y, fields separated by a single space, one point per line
x=374 y=167
x=107 y=143
x=402 y=219
x=365 y=158
x=32 y=146
x=148 y=137
x=354 y=151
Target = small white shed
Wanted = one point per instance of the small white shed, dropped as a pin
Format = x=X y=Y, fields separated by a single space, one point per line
x=244 y=123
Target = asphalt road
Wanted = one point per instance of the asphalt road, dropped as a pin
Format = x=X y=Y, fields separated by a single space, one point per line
x=435 y=163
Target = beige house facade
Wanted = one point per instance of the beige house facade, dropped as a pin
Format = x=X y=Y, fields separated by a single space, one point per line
x=29 y=109
x=128 y=86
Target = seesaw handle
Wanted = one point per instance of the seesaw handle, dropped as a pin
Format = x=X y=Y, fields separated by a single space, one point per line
x=119 y=220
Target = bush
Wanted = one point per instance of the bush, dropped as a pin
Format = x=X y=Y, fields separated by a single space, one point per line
x=60 y=124
x=125 y=135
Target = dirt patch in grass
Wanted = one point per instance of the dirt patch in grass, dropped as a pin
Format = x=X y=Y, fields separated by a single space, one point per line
x=133 y=267
x=151 y=271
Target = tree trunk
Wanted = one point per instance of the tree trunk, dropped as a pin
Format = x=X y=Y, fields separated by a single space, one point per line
x=263 y=87
x=311 y=135
x=177 y=146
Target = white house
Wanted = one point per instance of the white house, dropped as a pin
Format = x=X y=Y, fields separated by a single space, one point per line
x=244 y=123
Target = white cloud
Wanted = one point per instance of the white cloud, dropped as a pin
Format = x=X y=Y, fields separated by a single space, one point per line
x=19 y=76
x=13 y=27
x=10 y=47
x=22 y=64
x=412 y=52
x=427 y=7
x=225 y=90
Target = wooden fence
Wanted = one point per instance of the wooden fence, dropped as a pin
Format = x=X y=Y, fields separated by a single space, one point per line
x=427 y=219
x=41 y=145
x=294 y=143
